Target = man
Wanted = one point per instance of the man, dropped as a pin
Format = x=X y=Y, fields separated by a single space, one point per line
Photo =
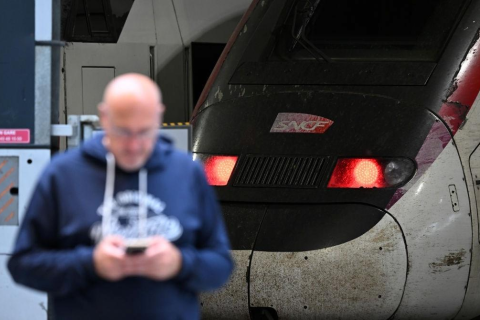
x=118 y=187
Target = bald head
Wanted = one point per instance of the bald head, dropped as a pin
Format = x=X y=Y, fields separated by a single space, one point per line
x=132 y=91
x=131 y=114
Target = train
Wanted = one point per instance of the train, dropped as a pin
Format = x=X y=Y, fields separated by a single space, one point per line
x=342 y=138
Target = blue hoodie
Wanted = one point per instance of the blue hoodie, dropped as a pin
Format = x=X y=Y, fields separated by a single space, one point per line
x=54 y=248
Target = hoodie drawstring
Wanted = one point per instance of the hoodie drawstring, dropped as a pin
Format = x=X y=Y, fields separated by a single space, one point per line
x=142 y=208
x=108 y=198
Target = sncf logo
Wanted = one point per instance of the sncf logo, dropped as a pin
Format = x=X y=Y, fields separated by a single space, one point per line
x=300 y=123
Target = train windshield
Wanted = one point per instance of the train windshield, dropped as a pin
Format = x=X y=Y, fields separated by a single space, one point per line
x=373 y=30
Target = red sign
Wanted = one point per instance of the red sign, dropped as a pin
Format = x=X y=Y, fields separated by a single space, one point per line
x=14 y=136
x=300 y=123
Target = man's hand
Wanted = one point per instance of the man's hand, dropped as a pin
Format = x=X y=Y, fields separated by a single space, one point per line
x=161 y=261
x=107 y=258
x=110 y=260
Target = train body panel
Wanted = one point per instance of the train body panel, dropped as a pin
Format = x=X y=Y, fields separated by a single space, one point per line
x=467 y=140
x=435 y=217
x=231 y=301
x=360 y=279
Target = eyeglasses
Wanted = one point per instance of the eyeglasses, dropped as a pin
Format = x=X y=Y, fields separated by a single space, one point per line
x=127 y=134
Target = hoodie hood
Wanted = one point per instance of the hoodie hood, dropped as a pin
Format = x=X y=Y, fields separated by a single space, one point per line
x=94 y=148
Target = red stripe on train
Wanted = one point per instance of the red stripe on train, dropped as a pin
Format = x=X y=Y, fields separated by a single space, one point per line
x=465 y=88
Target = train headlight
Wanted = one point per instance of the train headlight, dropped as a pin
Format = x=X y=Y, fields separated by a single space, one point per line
x=218 y=169
x=371 y=172
x=398 y=171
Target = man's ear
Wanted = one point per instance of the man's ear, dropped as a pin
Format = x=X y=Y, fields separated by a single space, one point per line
x=102 y=113
x=161 y=108
x=161 y=111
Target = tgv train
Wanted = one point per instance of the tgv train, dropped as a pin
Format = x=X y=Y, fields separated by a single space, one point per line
x=342 y=137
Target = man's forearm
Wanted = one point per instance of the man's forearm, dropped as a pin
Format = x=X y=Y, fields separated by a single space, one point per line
x=57 y=272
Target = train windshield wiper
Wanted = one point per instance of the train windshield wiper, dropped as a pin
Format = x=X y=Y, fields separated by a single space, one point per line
x=304 y=11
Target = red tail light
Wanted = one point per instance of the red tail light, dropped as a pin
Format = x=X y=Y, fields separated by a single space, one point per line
x=371 y=173
x=219 y=169
x=367 y=172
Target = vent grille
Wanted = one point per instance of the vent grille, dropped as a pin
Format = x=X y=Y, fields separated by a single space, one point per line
x=278 y=171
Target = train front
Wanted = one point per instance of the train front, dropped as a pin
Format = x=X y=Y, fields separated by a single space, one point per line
x=332 y=153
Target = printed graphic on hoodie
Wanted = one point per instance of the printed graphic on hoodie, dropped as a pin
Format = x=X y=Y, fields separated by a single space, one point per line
x=124 y=220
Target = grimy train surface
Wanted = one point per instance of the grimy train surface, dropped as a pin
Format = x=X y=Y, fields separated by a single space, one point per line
x=343 y=140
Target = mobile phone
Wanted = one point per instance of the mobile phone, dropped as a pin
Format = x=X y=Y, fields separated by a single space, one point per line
x=135 y=249
x=136 y=246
